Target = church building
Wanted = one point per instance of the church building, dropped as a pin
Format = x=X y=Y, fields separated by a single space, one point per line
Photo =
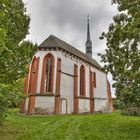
x=64 y=80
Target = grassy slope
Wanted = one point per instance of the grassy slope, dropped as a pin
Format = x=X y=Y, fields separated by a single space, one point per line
x=71 y=127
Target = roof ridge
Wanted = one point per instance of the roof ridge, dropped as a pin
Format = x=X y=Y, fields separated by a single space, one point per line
x=55 y=42
x=67 y=43
x=73 y=48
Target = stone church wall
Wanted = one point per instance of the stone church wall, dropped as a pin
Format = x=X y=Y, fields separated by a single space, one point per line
x=100 y=92
x=45 y=102
x=84 y=105
x=66 y=84
x=66 y=88
x=101 y=105
x=66 y=91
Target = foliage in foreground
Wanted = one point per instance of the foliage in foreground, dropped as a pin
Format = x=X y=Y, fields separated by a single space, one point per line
x=10 y=96
x=122 y=56
x=71 y=127
x=14 y=55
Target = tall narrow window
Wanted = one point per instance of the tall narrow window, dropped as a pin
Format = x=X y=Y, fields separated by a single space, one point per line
x=82 y=81
x=94 y=78
x=47 y=74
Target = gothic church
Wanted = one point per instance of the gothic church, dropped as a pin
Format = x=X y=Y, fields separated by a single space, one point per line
x=63 y=80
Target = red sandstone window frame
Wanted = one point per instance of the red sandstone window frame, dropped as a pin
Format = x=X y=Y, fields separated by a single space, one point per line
x=94 y=80
x=82 y=81
x=44 y=89
x=33 y=75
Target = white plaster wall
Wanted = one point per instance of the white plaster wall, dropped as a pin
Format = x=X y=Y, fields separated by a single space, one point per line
x=66 y=91
x=66 y=88
x=101 y=105
x=67 y=63
x=84 y=105
x=26 y=105
x=45 y=102
x=101 y=84
x=67 y=66
x=100 y=92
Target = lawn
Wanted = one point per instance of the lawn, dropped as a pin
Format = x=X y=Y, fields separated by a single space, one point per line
x=111 y=126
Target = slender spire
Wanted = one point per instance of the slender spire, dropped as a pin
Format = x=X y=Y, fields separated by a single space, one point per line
x=88 y=29
x=88 y=42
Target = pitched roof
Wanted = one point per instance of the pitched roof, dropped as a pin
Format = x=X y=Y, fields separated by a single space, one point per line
x=54 y=42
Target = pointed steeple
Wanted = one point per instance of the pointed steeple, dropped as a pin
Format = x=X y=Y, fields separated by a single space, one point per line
x=88 y=42
x=88 y=29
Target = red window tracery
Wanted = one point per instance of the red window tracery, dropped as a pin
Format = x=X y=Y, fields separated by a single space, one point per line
x=47 y=74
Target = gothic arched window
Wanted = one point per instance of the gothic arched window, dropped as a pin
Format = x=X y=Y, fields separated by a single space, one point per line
x=48 y=74
x=82 y=81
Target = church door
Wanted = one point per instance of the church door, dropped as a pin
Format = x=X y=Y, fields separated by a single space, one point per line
x=63 y=106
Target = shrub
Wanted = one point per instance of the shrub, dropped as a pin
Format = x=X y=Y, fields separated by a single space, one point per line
x=9 y=97
x=132 y=111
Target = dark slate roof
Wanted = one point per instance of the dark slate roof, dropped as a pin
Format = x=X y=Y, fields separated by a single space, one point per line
x=54 y=42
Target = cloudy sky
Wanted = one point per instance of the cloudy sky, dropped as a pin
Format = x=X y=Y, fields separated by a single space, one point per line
x=67 y=19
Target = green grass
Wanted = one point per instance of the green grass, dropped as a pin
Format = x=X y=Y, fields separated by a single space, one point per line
x=71 y=127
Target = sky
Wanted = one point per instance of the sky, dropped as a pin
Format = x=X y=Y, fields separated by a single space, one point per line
x=67 y=19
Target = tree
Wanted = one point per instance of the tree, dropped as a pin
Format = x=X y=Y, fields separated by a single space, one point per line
x=15 y=53
x=122 y=56
x=14 y=26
